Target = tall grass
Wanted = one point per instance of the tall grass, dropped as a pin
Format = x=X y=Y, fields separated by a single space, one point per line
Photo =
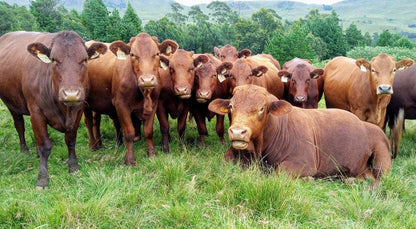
x=192 y=187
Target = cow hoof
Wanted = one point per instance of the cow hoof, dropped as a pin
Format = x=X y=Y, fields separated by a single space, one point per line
x=73 y=165
x=43 y=178
x=130 y=162
x=165 y=149
x=41 y=188
x=151 y=154
x=24 y=150
x=95 y=147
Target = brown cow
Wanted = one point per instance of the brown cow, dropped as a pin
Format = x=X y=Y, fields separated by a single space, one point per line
x=303 y=142
x=176 y=89
x=229 y=53
x=257 y=70
x=52 y=92
x=303 y=82
x=125 y=84
x=361 y=87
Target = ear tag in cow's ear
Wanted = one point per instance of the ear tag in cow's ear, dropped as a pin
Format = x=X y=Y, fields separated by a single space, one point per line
x=121 y=55
x=259 y=73
x=44 y=58
x=96 y=54
x=223 y=109
x=199 y=65
x=163 y=65
x=284 y=79
x=363 y=68
x=168 y=50
x=221 y=78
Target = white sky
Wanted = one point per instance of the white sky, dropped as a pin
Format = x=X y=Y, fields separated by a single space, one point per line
x=195 y=2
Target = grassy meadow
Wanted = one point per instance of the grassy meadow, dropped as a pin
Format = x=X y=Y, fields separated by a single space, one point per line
x=192 y=187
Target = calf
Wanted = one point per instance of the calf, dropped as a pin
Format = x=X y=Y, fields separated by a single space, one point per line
x=51 y=87
x=303 y=142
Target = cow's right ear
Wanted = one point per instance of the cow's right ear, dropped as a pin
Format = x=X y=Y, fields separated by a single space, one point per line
x=279 y=107
x=220 y=106
x=217 y=51
x=120 y=49
x=96 y=49
x=164 y=62
x=284 y=76
x=315 y=74
x=40 y=51
x=168 y=47
x=363 y=64
x=244 y=53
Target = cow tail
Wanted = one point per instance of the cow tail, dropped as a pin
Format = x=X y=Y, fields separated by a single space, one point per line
x=396 y=133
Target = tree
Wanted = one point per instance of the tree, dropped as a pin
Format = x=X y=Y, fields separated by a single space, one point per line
x=46 y=14
x=248 y=34
x=176 y=16
x=95 y=18
x=268 y=19
x=353 y=36
x=384 y=39
x=404 y=42
x=196 y=14
x=114 y=26
x=131 y=24
x=25 y=20
x=368 y=40
x=164 y=29
x=72 y=21
x=7 y=20
x=222 y=13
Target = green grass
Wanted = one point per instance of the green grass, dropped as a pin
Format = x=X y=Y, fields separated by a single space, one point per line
x=192 y=187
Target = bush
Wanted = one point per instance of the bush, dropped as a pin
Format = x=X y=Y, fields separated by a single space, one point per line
x=370 y=52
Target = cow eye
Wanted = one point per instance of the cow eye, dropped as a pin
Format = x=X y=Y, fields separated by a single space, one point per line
x=394 y=70
x=230 y=107
x=261 y=110
x=85 y=60
x=373 y=70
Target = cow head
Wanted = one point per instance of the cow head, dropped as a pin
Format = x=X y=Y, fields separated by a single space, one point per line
x=240 y=72
x=67 y=58
x=250 y=108
x=206 y=79
x=230 y=53
x=382 y=69
x=299 y=80
x=144 y=54
x=182 y=66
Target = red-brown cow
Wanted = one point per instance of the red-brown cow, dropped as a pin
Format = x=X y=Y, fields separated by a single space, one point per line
x=257 y=70
x=361 y=87
x=176 y=90
x=303 y=142
x=229 y=53
x=303 y=82
x=125 y=84
x=52 y=92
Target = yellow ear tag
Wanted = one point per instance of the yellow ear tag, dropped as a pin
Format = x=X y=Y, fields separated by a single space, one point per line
x=284 y=79
x=224 y=110
x=199 y=65
x=168 y=50
x=96 y=54
x=221 y=78
x=363 y=68
x=44 y=58
x=121 y=55
x=163 y=65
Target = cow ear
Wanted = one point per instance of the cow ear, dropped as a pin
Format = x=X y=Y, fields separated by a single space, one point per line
x=154 y=38
x=284 y=76
x=224 y=70
x=201 y=59
x=259 y=71
x=164 y=62
x=404 y=63
x=96 y=49
x=168 y=47
x=363 y=64
x=315 y=74
x=40 y=51
x=279 y=107
x=120 y=49
x=220 y=106
x=217 y=51
x=244 y=53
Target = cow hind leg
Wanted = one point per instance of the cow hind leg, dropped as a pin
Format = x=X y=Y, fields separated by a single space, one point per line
x=396 y=133
x=19 y=124
x=381 y=160
x=220 y=128
x=119 y=133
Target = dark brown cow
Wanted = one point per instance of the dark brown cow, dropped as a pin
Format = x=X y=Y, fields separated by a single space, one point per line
x=176 y=90
x=303 y=142
x=125 y=84
x=404 y=99
x=361 y=87
x=257 y=70
x=52 y=92
x=303 y=82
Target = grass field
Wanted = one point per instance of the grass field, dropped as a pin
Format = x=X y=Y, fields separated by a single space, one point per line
x=189 y=188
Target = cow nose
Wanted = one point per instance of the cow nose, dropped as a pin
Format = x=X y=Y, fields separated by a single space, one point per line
x=204 y=94
x=238 y=133
x=181 y=90
x=71 y=95
x=300 y=98
x=147 y=81
x=384 y=89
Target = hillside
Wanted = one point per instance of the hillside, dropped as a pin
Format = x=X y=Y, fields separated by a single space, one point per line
x=369 y=16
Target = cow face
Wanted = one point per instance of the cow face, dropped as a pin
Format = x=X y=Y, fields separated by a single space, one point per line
x=182 y=68
x=382 y=69
x=205 y=81
x=144 y=54
x=250 y=107
x=67 y=58
x=299 y=80
x=229 y=53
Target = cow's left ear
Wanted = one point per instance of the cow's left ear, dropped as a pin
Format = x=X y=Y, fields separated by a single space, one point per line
x=404 y=63
x=201 y=59
x=315 y=74
x=363 y=64
x=164 y=62
x=40 y=51
x=120 y=49
x=168 y=47
x=259 y=71
x=96 y=49
x=244 y=53
x=284 y=76
x=220 y=106
x=279 y=107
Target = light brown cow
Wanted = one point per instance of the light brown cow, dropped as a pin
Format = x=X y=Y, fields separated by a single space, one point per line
x=229 y=53
x=361 y=87
x=303 y=142
x=50 y=86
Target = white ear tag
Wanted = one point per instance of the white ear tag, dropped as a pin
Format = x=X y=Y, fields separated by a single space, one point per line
x=363 y=68
x=223 y=71
x=221 y=78
x=284 y=79
x=96 y=54
x=163 y=65
x=199 y=65
x=121 y=55
x=44 y=58
x=168 y=50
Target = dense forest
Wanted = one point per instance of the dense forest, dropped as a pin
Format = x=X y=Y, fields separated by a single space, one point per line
x=317 y=36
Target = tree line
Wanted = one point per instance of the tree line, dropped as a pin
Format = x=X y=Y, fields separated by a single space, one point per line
x=317 y=36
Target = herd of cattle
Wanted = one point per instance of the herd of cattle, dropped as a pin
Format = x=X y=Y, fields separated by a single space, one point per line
x=132 y=83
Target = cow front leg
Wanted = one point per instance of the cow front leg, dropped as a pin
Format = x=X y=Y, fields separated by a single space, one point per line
x=220 y=128
x=201 y=126
x=148 y=133
x=182 y=126
x=70 y=141
x=162 y=116
x=88 y=120
x=19 y=124
x=124 y=115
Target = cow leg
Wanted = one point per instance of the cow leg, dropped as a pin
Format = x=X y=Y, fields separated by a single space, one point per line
x=89 y=124
x=220 y=128
x=70 y=140
x=119 y=134
x=182 y=125
x=96 y=124
x=19 y=124
x=201 y=126
x=162 y=116
x=124 y=115
x=137 y=123
x=148 y=133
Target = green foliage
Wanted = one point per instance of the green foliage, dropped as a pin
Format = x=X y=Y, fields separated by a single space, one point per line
x=46 y=14
x=176 y=16
x=385 y=38
x=248 y=34
x=95 y=18
x=370 y=52
x=164 y=29
x=354 y=37
x=131 y=24
x=114 y=26
x=221 y=13
x=72 y=21
x=200 y=37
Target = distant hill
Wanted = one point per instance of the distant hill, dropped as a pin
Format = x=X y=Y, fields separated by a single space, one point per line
x=369 y=16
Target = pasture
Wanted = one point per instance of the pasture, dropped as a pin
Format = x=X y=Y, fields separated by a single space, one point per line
x=189 y=188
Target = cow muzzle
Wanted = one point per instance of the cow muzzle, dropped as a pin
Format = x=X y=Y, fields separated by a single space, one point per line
x=239 y=137
x=147 y=81
x=384 y=89
x=300 y=99
x=71 y=96
x=203 y=96
x=183 y=92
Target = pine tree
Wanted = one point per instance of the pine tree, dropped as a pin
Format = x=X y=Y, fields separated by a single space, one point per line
x=95 y=18
x=131 y=24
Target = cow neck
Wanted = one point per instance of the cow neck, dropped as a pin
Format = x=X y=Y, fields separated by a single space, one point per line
x=276 y=138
